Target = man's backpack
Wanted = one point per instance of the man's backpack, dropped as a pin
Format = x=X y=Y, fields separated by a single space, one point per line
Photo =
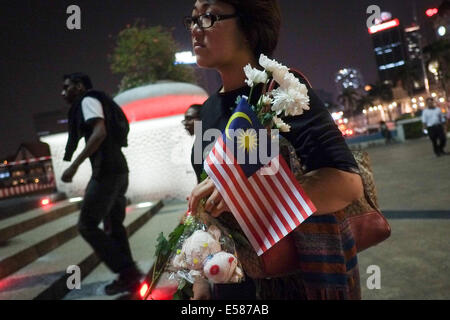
x=116 y=120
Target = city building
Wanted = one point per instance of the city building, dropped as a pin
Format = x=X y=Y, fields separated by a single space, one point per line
x=389 y=48
x=413 y=43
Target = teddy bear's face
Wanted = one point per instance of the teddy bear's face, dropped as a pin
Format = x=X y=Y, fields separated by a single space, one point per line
x=221 y=267
x=196 y=249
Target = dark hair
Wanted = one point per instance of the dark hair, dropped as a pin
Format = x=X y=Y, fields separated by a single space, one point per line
x=195 y=107
x=78 y=77
x=260 y=20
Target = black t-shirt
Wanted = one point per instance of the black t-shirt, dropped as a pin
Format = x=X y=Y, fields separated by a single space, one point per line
x=108 y=159
x=314 y=135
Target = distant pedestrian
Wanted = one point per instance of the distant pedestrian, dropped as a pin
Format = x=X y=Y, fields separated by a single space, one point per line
x=433 y=120
x=385 y=132
x=191 y=115
x=96 y=117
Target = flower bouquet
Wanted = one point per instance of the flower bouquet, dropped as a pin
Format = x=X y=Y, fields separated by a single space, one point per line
x=193 y=250
x=290 y=98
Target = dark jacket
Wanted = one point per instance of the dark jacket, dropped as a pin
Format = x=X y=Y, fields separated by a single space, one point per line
x=108 y=159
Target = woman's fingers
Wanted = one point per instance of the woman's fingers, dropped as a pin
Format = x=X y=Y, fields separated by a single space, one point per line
x=200 y=191
x=219 y=209
x=212 y=201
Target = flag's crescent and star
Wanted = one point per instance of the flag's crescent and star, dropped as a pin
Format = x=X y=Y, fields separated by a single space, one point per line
x=234 y=117
x=248 y=139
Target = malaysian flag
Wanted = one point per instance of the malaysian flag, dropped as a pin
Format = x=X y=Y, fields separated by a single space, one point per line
x=258 y=187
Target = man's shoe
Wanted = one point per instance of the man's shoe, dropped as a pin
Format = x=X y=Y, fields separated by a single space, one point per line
x=124 y=284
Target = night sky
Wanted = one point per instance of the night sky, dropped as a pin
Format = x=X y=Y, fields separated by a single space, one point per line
x=318 y=37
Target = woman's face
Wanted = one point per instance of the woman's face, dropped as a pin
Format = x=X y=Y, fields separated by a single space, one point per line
x=218 y=46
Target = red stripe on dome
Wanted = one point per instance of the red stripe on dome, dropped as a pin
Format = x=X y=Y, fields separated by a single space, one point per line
x=160 y=107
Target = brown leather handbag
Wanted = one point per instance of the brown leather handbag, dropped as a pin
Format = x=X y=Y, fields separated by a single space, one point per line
x=368 y=224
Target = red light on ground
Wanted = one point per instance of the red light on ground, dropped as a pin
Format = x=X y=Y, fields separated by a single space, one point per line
x=143 y=290
x=45 y=201
x=431 y=12
x=349 y=132
x=384 y=26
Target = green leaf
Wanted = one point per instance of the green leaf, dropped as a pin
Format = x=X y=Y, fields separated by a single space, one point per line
x=178 y=295
x=162 y=246
x=203 y=176
x=174 y=237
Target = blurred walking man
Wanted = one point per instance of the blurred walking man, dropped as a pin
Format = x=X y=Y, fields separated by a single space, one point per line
x=433 y=120
x=96 y=117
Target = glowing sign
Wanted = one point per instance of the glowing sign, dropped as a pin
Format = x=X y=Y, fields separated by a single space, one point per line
x=185 y=57
x=431 y=12
x=384 y=26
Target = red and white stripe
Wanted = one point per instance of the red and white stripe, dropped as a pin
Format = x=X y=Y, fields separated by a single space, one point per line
x=31 y=160
x=24 y=189
x=267 y=207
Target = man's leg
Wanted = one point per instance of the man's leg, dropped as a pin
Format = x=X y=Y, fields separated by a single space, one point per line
x=116 y=218
x=432 y=133
x=99 y=199
x=129 y=275
x=443 y=139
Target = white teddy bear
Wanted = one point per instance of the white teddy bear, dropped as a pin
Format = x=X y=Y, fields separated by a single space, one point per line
x=222 y=267
x=197 y=248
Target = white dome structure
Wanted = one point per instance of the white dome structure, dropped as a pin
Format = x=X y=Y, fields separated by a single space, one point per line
x=158 y=152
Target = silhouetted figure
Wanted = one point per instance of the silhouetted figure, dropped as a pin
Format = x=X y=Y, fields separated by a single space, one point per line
x=385 y=132
x=433 y=120
x=96 y=117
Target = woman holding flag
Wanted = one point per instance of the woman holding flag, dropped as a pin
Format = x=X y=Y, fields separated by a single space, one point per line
x=227 y=35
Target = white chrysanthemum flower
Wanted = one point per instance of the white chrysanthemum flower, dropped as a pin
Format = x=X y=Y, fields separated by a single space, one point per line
x=282 y=101
x=291 y=101
x=277 y=69
x=281 y=125
x=254 y=76
x=289 y=81
x=266 y=100
x=292 y=96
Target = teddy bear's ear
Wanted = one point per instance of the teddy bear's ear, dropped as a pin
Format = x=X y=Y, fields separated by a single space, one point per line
x=215 y=232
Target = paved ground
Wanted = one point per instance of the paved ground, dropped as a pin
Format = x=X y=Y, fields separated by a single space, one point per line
x=409 y=176
x=414 y=192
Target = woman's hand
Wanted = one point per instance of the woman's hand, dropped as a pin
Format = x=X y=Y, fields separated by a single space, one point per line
x=215 y=205
x=201 y=290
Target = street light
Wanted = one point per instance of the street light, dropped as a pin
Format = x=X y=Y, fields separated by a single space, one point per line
x=433 y=67
x=442 y=31
x=431 y=12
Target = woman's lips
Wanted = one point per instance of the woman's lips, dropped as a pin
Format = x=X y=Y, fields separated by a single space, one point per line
x=198 y=45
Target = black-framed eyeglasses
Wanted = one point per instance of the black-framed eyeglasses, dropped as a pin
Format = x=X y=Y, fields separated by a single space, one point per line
x=205 y=21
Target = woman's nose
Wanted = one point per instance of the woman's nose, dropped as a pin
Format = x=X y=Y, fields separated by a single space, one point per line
x=196 y=31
